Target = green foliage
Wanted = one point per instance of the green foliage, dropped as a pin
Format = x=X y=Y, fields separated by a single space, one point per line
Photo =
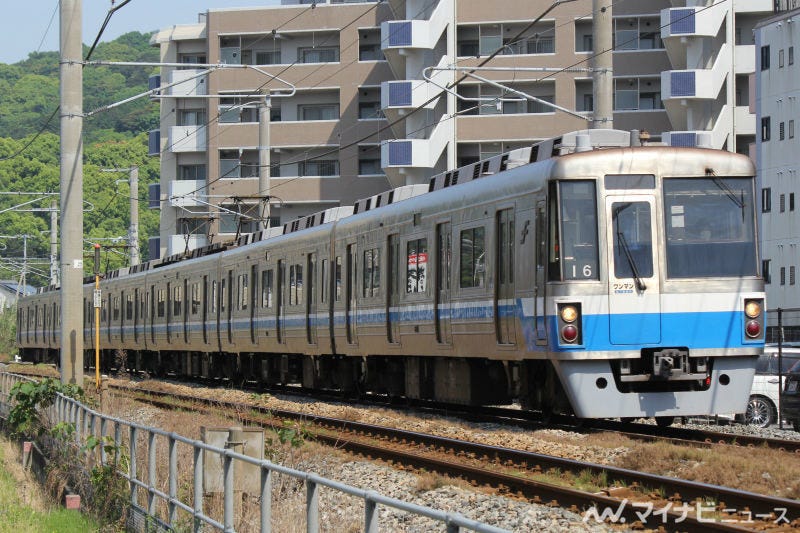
x=8 y=333
x=109 y=490
x=30 y=397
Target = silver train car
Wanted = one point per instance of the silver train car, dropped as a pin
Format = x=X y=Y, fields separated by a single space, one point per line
x=580 y=275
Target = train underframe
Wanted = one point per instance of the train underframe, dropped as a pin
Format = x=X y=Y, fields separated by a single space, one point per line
x=467 y=381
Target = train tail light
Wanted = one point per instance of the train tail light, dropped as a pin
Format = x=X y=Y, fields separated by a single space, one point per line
x=754 y=318
x=569 y=323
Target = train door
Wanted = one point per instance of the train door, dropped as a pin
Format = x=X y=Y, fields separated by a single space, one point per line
x=253 y=300
x=227 y=304
x=150 y=306
x=169 y=314
x=123 y=302
x=441 y=308
x=539 y=309
x=393 y=290
x=504 y=304
x=311 y=299
x=280 y=281
x=633 y=277
x=350 y=293
x=204 y=316
x=136 y=315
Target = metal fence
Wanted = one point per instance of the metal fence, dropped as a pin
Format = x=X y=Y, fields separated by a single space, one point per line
x=783 y=325
x=157 y=496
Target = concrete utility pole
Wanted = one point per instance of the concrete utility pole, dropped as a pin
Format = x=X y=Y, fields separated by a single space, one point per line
x=53 y=242
x=71 y=74
x=603 y=77
x=134 y=230
x=264 y=109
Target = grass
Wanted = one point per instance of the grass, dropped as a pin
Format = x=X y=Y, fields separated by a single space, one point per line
x=23 y=507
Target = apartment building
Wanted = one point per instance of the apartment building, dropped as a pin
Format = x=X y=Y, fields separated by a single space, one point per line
x=778 y=113
x=371 y=107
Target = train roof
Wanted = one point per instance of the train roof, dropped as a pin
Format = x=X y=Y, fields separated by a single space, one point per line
x=576 y=142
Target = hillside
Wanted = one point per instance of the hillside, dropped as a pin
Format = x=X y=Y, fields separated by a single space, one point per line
x=113 y=139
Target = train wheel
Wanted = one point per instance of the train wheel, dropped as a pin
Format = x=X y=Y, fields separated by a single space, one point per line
x=664 y=421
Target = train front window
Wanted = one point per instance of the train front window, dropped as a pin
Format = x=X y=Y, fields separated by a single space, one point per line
x=633 y=240
x=573 y=231
x=710 y=227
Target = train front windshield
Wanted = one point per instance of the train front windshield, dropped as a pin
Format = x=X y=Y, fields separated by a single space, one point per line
x=710 y=227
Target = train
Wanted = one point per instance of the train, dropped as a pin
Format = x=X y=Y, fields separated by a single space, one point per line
x=586 y=274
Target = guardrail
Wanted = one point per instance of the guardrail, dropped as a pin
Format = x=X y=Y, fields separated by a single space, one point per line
x=162 y=494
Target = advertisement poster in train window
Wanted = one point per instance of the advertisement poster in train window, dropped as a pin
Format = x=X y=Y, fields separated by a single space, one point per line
x=417 y=265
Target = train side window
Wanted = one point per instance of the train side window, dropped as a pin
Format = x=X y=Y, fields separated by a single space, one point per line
x=177 y=301
x=129 y=307
x=553 y=259
x=417 y=265
x=241 y=282
x=472 y=252
x=372 y=273
x=195 y=298
x=116 y=308
x=104 y=310
x=223 y=295
x=338 y=278
x=323 y=297
x=161 y=303
x=295 y=285
x=214 y=296
x=266 y=288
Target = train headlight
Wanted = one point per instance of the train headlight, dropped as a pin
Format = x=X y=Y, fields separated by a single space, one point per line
x=753 y=329
x=752 y=309
x=569 y=314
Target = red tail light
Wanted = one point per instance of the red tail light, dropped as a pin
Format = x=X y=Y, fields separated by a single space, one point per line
x=569 y=333
x=753 y=329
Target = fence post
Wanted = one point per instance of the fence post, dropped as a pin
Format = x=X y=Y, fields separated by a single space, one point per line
x=134 y=435
x=117 y=443
x=198 y=488
x=173 y=479
x=103 y=428
x=151 y=473
x=266 y=500
x=370 y=514
x=228 y=495
x=312 y=506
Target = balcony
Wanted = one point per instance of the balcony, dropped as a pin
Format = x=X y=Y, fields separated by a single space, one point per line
x=187 y=139
x=184 y=193
x=188 y=83
x=400 y=156
x=401 y=37
x=177 y=244
x=681 y=26
x=716 y=137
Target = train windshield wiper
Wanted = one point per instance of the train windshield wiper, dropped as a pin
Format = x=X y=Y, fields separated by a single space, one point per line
x=631 y=261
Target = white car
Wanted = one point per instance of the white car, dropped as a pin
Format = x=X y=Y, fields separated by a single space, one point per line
x=762 y=409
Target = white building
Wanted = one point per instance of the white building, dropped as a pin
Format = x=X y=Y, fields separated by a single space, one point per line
x=778 y=154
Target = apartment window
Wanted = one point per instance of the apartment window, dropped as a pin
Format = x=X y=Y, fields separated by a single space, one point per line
x=369 y=166
x=765 y=264
x=192 y=59
x=791 y=129
x=191 y=226
x=783 y=275
x=192 y=172
x=237 y=109
x=781 y=131
x=791 y=275
x=233 y=217
x=468 y=48
x=370 y=52
x=632 y=33
x=791 y=55
x=318 y=112
x=765 y=57
x=634 y=94
x=318 y=55
x=370 y=110
x=783 y=202
x=320 y=167
x=268 y=57
x=766 y=200
x=765 y=129
x=191 y=117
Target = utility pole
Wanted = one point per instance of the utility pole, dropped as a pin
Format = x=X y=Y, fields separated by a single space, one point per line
x=133 y=235
x=603 y=65
x=71 y=182
x=53 y=242
x=264 y=109
x=133 y=229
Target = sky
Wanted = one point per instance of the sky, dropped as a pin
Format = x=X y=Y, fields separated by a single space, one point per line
x=24 y=24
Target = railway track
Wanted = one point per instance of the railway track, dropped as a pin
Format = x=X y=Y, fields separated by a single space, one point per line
x=630 y=497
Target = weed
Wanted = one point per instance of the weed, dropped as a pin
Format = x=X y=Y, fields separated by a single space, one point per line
x=431 y=481
x=29 y=397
